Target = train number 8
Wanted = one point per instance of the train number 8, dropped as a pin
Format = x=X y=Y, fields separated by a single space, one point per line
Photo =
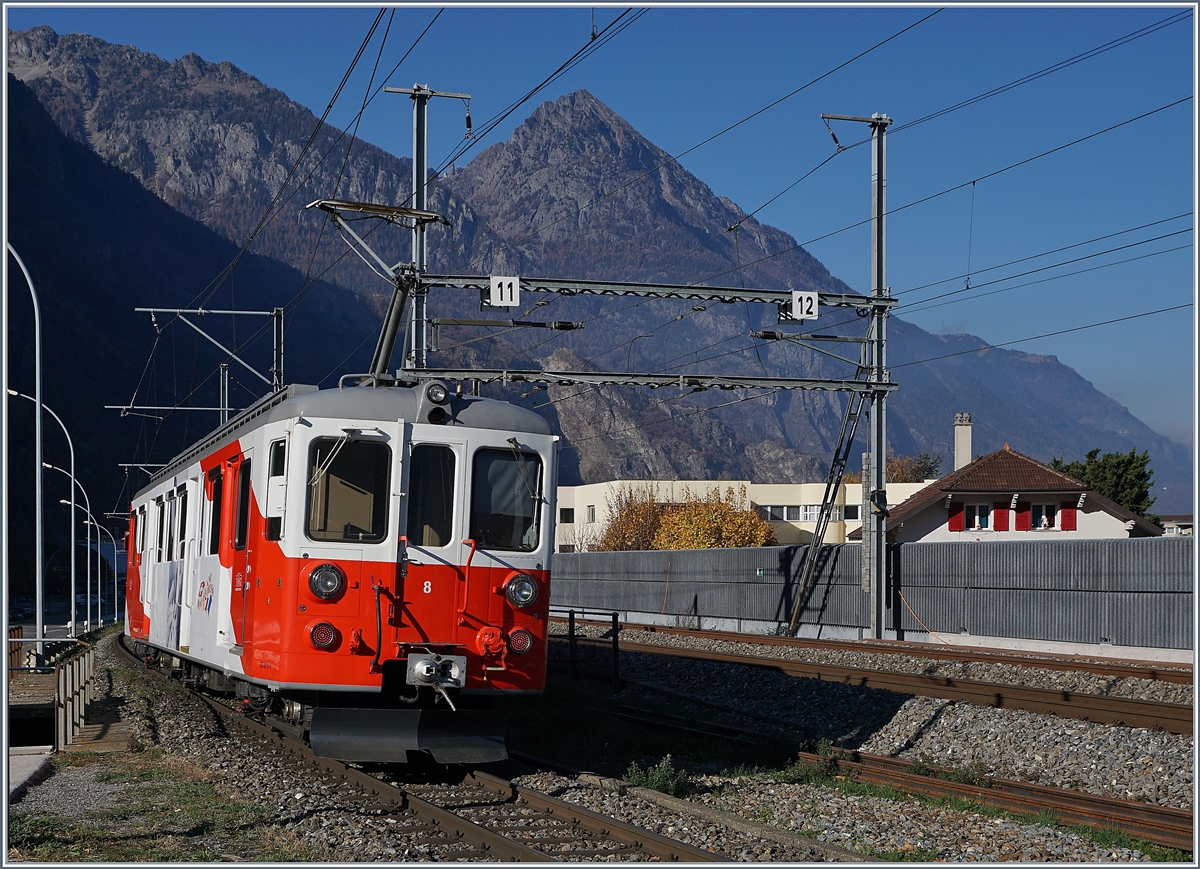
x=428 y=586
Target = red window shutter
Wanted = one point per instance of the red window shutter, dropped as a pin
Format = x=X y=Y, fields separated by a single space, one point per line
x=1022 y=516
x=956 y=517
x=1000 y=516
x=1066 y=516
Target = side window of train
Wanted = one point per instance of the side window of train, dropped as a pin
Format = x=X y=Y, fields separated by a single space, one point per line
x=183 y=504
x=431 y=496
x=276 y=471
x=214 y=529
x=158 y=521
x=348 y=486
x=169 y=521
x=242 y=520
x=505 y=500
x=141 y=530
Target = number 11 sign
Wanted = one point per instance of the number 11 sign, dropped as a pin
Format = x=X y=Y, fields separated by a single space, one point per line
x=505 y=292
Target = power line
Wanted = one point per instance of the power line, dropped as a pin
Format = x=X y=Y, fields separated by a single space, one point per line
x=996 y=91
x=904 y=365
x=1045 y=335
x=676 y=158
x=940 y=193
x=1048 y=252
x=594 y=43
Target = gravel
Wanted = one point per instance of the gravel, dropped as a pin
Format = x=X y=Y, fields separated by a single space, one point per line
x=1121 y=762
x=1030 y=676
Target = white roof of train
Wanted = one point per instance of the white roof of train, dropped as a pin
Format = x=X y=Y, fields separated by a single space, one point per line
x=380 y=403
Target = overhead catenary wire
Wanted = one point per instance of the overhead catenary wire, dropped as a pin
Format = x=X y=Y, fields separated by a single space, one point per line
x=924 y=307
x=205 y=294
x=278 y=203
x=773 y=391
x=996 y=91
x=596 y=41
x=993 y=92
x=932 y=196
x=700 y=144
x=675 y=158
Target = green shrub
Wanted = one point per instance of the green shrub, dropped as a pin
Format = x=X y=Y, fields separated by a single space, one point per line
x=662 y=777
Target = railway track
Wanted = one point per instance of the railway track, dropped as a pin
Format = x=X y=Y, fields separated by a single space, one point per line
x=479 y=816
x=1172 y=717
x=1162 y=825
x=1180 y=674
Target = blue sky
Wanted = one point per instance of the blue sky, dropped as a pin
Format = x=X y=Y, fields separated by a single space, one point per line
x=681 y=75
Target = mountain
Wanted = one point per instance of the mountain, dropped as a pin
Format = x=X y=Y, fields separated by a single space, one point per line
x=97 y=245
x=216 y=144
x=575 y=192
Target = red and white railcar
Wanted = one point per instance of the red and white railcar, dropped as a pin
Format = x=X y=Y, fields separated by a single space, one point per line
x=367 y=565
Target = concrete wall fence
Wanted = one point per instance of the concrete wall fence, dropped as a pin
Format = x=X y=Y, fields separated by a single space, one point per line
x=1124 y=592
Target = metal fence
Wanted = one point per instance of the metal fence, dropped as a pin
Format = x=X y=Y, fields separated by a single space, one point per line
x=1128 y=592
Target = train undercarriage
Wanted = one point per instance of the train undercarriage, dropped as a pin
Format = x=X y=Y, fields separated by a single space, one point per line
x=381 y=727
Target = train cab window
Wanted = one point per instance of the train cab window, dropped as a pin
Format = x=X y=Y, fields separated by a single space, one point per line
x=431 y=496
x=242 y=520
x=347 y=490
x=505 y=500
x=141 y=530
x=278 y=459
x=214 y=527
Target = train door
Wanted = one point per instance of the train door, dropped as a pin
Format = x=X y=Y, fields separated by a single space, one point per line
x=430 y=595
x=243 y=553
x=509 y=520
x=204 y=602
x=189 y=524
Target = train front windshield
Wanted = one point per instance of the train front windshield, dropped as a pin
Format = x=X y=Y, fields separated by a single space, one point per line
x=505 y=500
x=347 y=490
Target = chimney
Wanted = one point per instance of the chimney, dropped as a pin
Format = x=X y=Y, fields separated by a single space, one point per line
x=962 y=439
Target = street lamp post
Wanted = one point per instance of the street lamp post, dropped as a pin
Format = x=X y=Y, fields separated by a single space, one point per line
x=99 y=593
x=87 y=624
x=87 y=502
x=75 y=483
x=39 y=579
x=71 y=447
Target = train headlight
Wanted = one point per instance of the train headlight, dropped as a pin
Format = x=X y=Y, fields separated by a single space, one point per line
x=436 y=392
x=322 y=635
x=520 y=641
x=521 y=590
x=327 y=581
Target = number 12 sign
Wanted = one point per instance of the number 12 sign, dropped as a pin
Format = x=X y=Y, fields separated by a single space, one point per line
x=804 y=306
x=505 y=292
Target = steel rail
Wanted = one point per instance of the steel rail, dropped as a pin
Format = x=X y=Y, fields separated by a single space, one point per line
x=1181 y=674
x=1172 y=717
x=428 y=816
x=599 y=825
x=1162 y=825
x=581 y=825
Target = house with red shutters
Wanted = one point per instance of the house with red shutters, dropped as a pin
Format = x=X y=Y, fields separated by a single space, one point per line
x=1007 y=496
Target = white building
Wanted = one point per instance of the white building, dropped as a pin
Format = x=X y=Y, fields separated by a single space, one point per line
x=790 y=509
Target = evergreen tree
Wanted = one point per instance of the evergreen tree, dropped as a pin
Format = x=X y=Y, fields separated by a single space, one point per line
x=1122 y=477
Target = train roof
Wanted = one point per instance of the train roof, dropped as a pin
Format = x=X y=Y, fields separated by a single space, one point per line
x=377 y=403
